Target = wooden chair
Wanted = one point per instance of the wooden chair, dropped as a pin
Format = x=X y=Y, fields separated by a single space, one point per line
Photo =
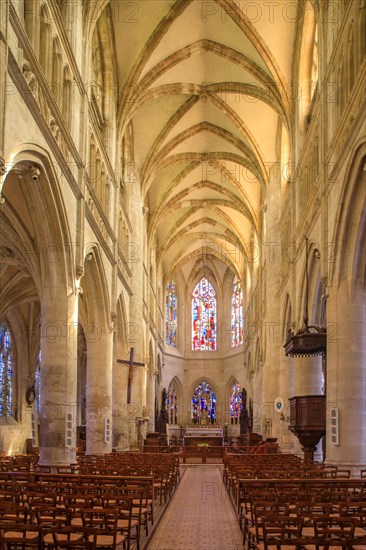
x=161 y=483
x=25 y=535
x=143 y=495
x=72 y=537
x=357 y=512
x=103 y=527
x=332 y=533
x=281 y=532
x=13 y=512
x=139 y=510
x=127 y=525
x=49 y=518
x=75 y=503
x=259 y=510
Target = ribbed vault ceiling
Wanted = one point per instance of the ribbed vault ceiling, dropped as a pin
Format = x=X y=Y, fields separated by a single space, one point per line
x=204 y=84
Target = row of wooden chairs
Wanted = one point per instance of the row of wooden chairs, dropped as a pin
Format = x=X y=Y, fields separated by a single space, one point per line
x=70 y=495
x=308 y=510
x=272 y=467
x=76 y=511
x=100 y=528
x=326 y=532
x=30 y=489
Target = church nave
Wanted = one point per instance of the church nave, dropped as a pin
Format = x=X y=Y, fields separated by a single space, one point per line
x=200 y=515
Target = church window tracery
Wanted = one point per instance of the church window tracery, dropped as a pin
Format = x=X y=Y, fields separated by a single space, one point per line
x=172 y=403
x=235 y=404
x=171 y=314
x=6 y=371
x=237 y=323
x=203 y=404
x=204 y=317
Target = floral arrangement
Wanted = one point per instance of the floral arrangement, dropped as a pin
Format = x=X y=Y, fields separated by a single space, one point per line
x=203 y=445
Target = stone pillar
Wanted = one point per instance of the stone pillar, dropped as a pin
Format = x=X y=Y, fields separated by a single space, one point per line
x=257 y=399
x=99 y=390
x=134 y=253
x=58 y=377
x=308 y=375
x=3 y=65
x=120 y=407
x=309 y=382
x=287 y=441
x=346 y=376
x=150 y=394
x=270 y=330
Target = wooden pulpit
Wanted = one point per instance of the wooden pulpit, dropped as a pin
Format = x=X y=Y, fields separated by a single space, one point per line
x=307 y=421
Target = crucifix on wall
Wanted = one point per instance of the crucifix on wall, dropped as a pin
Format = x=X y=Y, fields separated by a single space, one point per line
x=131 y=364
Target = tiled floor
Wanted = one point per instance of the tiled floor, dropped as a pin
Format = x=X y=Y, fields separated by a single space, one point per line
x=200 y=515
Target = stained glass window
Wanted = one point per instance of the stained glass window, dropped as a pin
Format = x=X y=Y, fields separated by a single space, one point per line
x=237 y=322
x=6 y=372
x=171 y=314
x=172 y=404
x=204 y=316
x=235 y=404
x=203 y=405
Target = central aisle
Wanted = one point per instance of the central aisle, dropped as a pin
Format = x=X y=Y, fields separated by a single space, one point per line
x=200 y=515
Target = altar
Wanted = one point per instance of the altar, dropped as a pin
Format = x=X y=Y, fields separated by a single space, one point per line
x=212 y=436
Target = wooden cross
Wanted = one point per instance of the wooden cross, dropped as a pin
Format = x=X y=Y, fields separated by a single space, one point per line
x=131 y=363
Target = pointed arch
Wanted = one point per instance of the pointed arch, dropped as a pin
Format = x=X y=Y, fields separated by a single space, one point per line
x=7 y=370
x=48 y=213
x=314 y=285
x=237 y=318
x=308 y=59
x=204 y=316
x=171 y=313
x=174 y=401
x=203 y=402
x=347 y=254
x=96 y=296
x=233 y=399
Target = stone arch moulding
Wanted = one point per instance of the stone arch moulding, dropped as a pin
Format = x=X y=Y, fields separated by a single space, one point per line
x=33 y=161
x=287 y=317
x=231 y=381
x=203 y=379
x=313 y=278
x=120 y=327
x=180 y=398
x=95 y=281
x=350 y=222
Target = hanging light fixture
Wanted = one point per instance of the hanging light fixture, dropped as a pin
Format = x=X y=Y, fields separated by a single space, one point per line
x=311 y=340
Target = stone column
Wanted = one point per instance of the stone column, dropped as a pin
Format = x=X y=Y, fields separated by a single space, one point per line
x=308 y=381
x=308 y=375
x=134 y=254
x=120 y=380
x=257 y=399
x=58 y=378
x=3 y=65
x=150 y=394
x=288 y=442
x=346 y=375
x=270 y=330
x=99 y=390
